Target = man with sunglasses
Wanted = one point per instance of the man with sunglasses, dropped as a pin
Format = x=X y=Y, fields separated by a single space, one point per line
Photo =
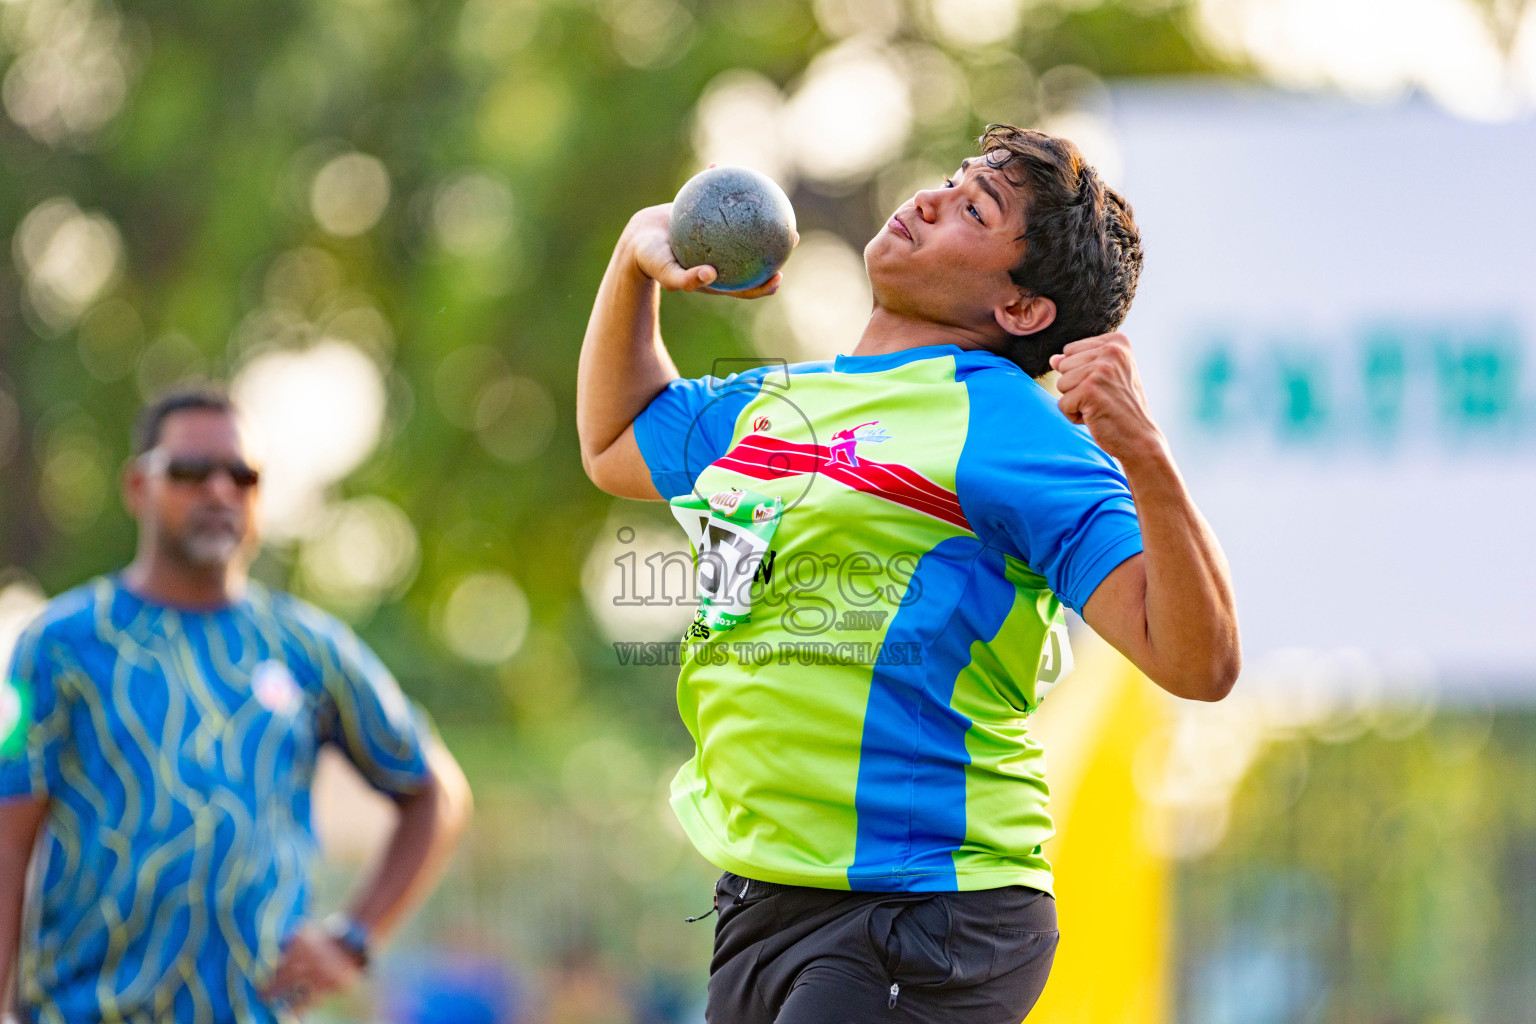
x=159 y=730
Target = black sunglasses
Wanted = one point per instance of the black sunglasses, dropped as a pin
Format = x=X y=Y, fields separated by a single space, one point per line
x=192 y=469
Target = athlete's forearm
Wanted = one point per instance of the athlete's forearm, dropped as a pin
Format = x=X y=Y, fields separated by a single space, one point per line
x=428 y=829
x=1192 y=645
x=623 y=363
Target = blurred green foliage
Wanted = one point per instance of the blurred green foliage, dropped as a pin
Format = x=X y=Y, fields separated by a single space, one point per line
x=1374 y=875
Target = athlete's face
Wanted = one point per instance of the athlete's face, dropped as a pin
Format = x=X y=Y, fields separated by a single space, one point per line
x=195 y=492
x=944 y=256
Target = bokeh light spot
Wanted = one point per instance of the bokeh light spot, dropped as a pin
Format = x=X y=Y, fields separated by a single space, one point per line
x=736 y=121
x=825 y=300
x=71 y=71
x=319 y=412
x=1373 y=49
x=649 y=33
x=974 y=23
x=110 y=339
x=632 y=598
x=492 y=30
x=67 y=257
x=364 y=552
x=20 y=601
x=472 y=214
x=514 y=418
x=850 y=116
x=360 y=323
x=172 y=359
x=461 y=379
x=841 y=19
x=484 y=618
x=301 y=280
x=936 y=84
x=349 y=194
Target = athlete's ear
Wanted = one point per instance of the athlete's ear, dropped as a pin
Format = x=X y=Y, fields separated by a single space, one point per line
x=1026 y=314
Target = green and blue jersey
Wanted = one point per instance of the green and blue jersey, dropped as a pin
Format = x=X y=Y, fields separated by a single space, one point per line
x=176 y=751
x=932 y=511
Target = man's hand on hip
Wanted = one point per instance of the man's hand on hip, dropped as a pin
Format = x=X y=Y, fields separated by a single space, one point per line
x=1100 y=388
x=313 y=966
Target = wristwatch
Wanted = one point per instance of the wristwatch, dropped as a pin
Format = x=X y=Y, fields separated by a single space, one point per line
x=350 y=935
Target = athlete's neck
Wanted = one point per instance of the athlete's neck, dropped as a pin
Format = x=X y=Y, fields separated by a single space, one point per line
x=162 y=580
x=889 y=332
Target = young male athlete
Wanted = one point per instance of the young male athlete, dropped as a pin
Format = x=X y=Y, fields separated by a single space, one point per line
x=878 y=806
x=163 y=729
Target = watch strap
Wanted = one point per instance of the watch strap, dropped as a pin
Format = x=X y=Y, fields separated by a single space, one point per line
x=348 y=933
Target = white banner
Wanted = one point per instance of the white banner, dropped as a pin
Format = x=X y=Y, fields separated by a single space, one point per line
x=1337 y=329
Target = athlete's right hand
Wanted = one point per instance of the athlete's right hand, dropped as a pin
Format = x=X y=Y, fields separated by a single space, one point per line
x=649 y=243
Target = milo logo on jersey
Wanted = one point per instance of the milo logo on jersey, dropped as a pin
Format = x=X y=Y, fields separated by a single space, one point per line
x=729 y=532
x=15 y=713
x=726 y=502
x=763 y=510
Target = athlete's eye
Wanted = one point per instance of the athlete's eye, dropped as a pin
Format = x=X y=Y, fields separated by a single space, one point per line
x=949 y=182
x=974 y=213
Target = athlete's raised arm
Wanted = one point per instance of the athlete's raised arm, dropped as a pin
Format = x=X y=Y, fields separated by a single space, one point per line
x=1170 y=609
x=624 y=363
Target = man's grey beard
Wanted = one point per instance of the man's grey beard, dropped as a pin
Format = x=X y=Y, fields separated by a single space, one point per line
x=209 y=547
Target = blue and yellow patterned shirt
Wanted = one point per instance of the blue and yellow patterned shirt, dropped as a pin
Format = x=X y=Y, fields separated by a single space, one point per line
x=176 y=751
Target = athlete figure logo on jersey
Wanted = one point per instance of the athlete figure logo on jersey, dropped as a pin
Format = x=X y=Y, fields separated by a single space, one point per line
x=844 y=441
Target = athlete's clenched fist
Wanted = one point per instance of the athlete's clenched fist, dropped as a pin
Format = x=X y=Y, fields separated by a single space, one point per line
x=1100 y=387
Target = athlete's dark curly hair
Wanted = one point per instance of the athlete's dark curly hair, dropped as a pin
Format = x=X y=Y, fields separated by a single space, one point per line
x=1082 y=249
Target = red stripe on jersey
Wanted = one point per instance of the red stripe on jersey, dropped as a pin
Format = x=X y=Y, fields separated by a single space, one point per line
x=763 y=457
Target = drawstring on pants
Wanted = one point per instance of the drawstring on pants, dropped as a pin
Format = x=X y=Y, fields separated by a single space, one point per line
x=712 y=910
x=745 y=885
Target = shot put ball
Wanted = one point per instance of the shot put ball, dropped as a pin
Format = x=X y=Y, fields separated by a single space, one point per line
x=735 y=220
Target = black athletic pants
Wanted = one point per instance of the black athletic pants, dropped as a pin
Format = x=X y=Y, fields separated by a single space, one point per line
x=786 y=954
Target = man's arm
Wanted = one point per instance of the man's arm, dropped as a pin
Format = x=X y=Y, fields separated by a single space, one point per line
x=429 y=825
x=1170 y=610
x=20 y=820
x=624 y=364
